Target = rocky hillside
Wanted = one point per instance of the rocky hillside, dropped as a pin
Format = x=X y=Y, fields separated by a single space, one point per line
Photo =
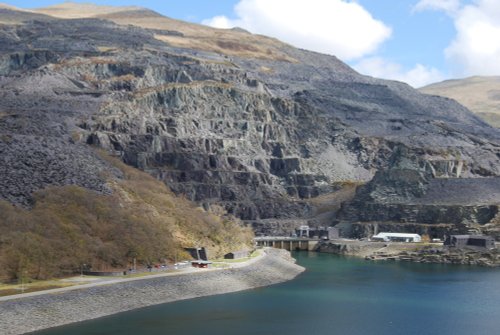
x=137 y=220
x=480 y=94
x=276 y=135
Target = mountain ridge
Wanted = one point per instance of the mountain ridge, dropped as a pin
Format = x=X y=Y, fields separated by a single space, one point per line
x=481 y=94
x=227 y=41
x=231 y=119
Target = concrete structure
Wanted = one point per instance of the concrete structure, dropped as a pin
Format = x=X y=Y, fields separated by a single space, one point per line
x=470 y=241
x=104 y=273
x=317 y=232
x=396 y=237
x=333 y=233
x=287 y=243
x=198 y=253
x=236 y=254
x=302 y=231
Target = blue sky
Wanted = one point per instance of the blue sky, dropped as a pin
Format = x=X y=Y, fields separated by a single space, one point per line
x=418 y=37
x=417 y=41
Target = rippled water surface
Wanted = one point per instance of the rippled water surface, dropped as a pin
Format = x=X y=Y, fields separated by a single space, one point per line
x=334 y=296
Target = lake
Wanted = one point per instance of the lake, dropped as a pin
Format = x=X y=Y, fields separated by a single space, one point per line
x=336 y=295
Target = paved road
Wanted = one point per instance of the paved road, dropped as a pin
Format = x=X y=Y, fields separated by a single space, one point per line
x=110 y=281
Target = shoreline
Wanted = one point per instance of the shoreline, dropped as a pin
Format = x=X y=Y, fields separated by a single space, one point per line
x=412 y=252
x=47 y=309
x=116 y=280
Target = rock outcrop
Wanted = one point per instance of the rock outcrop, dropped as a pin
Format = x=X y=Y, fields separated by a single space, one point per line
x=421 y=196
x=244 y=121
x=412 y=252
x=486 y=258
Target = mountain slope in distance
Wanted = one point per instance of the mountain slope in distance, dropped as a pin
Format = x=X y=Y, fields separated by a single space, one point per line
x=480 y=94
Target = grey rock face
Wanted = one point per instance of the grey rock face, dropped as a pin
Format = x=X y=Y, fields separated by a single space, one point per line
x=424 y=197
x=262 y=138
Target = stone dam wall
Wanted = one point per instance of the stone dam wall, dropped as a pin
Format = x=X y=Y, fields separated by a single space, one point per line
x=29 y=314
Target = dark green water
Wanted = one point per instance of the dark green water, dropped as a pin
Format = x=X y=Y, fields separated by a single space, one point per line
x=334 y=296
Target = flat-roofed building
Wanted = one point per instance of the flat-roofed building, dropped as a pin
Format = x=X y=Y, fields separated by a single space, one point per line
x=467 y=241
x=396 y=237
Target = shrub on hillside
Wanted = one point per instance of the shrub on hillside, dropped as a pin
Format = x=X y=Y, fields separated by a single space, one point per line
x=70 y=226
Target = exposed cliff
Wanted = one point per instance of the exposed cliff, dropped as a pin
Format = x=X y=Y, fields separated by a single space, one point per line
x=423 y=196
x=229 y=118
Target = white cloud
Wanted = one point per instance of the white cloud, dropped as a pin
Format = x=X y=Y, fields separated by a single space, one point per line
x=219 y=22
x=418 y=76
x=475 y=49
x=449 y=6
x=338 y=27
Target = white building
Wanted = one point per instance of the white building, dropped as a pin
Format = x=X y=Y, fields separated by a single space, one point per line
x=396 y=237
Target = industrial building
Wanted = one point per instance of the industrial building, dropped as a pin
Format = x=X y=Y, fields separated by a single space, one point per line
x=396 y=237
x=317 y=232
x=470 y=241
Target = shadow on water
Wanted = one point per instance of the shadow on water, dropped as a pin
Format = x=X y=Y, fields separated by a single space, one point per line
x=336 y=295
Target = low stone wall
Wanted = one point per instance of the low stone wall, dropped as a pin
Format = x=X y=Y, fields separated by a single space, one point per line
x=440 y=255
x=50 y=310
x=104 y=273
x=411 y=252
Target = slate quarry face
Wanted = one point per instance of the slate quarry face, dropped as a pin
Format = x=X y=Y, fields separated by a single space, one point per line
x=265 y=138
